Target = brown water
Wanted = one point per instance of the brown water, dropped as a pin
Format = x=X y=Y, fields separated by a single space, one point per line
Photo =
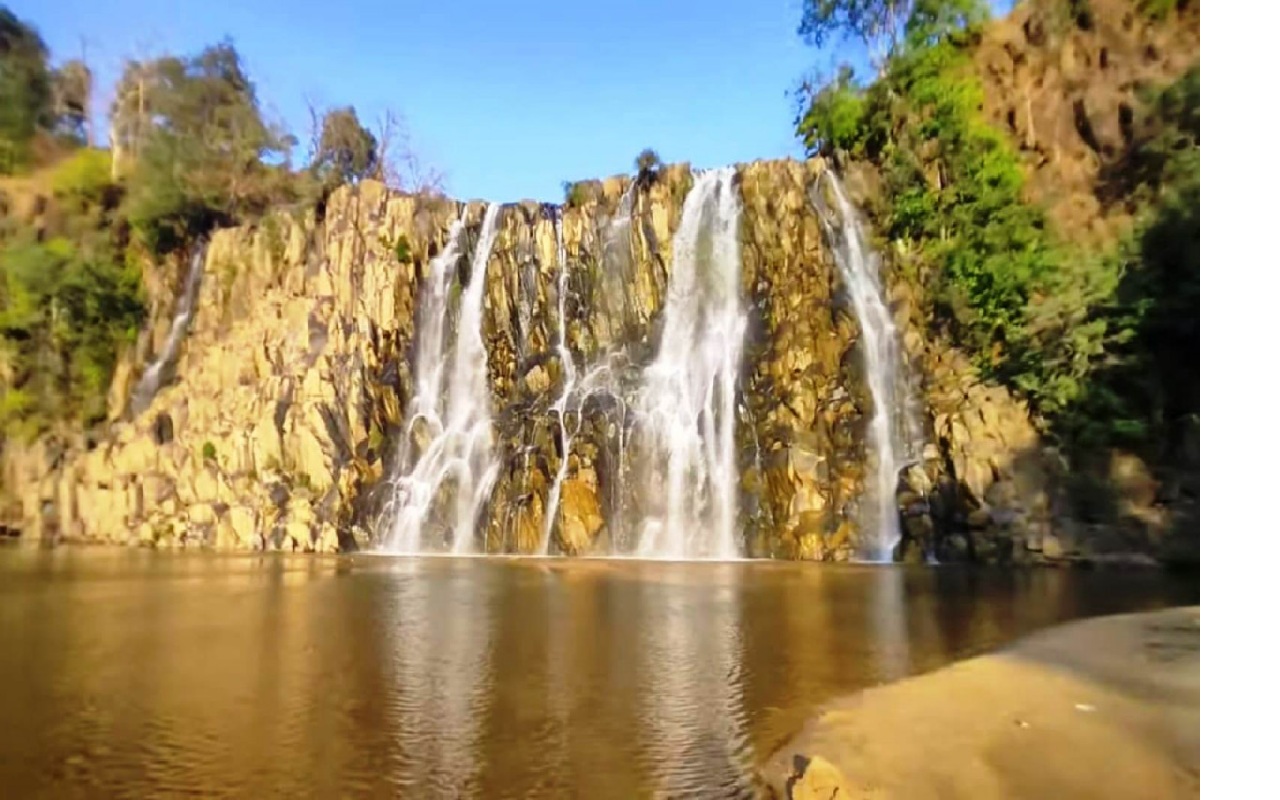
x=144 y=674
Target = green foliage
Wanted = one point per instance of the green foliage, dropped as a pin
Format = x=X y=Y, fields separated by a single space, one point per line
x=72 y=88
x=84 y=176
x=65 y=313
x=24 y=89
x=190 y=150
x=577 y=194
x=831 y=115
x=648 y=164
x=200 y=142
x=1149 y=383
x=1166 y=156
x=208 y=452
x=1075 y=332
x=346 y=152
x=404 y=254
x=163 y=215
x=1157 y=9
x=954 y=188
x=17 y=419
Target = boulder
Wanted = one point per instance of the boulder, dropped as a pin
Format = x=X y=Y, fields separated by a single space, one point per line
x=815 y=778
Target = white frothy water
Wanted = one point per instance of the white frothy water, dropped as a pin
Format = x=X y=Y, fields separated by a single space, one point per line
x=883 y=361
x=686 y=405
x=450 y=406
x=568 y=379
x=153 y=376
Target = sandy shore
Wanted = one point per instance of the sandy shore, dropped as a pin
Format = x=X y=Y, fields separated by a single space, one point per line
x=1107 y=707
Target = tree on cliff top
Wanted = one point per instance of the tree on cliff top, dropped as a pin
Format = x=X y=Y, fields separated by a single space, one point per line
x=884 y=25
x=200 y=142
x=344 y=150
x=24 y=88
x=72 y=84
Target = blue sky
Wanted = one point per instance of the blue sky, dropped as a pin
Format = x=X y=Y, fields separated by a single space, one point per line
x=508 y=98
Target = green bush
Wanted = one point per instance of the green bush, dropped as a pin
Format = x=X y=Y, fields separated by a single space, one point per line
x=1074 y=331
x=25 y=90
x=1157 y=9
x=83 y=176
x=65 y=313
x=576 y=194
x=162 y=214
x=954 y=193
x=648 y=164
x=1101 y=344
x=16 y=406
x=1149 y=383
x=209 y=452
x=404 y=254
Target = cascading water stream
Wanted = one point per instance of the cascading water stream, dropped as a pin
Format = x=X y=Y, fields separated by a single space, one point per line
x=449 y=409
x=687 y=401
x=569 y=380
x=153 y=376
x=883 y=362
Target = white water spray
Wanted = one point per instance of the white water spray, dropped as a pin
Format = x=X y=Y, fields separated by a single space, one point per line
x=686 y=406
x=568 y=380
x=153 y=376
x=883 y=360
x=450 y=406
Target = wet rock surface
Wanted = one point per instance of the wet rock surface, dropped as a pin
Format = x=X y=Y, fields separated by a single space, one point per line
x=281 y=423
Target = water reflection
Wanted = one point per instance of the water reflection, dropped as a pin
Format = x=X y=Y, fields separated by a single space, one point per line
x=692 y=680
x=887 y=619
x=144 y=674
x=438 y=634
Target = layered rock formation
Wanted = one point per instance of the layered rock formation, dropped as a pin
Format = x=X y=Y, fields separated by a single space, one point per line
x=278 y=428
x=289 y=389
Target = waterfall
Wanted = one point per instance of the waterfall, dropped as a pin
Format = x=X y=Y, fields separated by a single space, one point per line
x=449 y=425
x=154 y=375
x=687 y=400
x=882 y=359
x=568 y=380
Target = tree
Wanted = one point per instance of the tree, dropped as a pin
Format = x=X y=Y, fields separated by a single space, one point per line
x=130 y=112
x=64 y=314
x=876 y=23
x=883 y=25
x=828 y=112
x=648 y=164
x=24 y=88
x=72 y=90
x=346 y=150
x=196 y=132
x=397 y=164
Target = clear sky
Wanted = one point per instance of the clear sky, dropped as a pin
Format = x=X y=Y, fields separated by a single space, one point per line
x=508 y=98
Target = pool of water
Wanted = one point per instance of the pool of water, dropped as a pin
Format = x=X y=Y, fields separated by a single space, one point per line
x=139 y=673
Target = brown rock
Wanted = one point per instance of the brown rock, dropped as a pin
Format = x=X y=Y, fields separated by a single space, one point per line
x=815 y=778
x=1051 y=547
x=580 y=518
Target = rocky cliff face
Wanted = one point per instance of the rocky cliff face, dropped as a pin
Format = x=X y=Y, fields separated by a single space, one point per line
x=1064 y=81
x=280 y=424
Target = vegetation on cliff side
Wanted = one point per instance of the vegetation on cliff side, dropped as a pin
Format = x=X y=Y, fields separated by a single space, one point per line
x=190 y=150
x=1085 y=336
x=1148 y=384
